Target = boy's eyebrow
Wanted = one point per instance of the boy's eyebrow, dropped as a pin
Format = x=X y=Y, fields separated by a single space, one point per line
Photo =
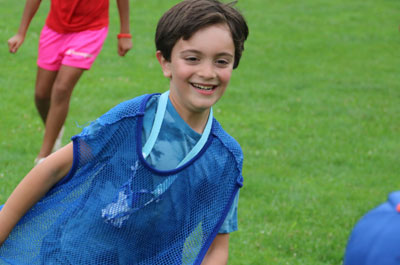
x=198 y=52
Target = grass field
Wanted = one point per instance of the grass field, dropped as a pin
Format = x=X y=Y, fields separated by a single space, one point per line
x=315 y=105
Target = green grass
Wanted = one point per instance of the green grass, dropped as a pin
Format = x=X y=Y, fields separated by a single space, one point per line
x=315 y=105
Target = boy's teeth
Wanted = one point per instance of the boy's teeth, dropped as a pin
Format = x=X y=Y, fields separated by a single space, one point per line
x=202 y=87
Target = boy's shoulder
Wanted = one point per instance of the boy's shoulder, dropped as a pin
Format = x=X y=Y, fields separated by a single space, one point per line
x=129 y=108
x=227 y=140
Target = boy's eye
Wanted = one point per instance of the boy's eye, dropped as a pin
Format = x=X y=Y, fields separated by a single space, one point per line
x=191 y=59
x=222 y=62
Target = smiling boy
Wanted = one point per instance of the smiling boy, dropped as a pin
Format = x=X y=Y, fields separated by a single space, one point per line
x=153 y=181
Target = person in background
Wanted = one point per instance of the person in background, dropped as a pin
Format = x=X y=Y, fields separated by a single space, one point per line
x=71 y=39
x=375 y=239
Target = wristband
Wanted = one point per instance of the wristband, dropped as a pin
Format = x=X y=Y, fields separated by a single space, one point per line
x=124 y=35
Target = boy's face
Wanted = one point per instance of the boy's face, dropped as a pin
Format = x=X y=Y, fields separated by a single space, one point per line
x=200 y=69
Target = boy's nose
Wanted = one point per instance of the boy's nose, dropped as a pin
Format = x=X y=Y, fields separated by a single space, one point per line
x=207 y=71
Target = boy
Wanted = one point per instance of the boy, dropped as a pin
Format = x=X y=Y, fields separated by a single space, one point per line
x=70 y=41
x=154 y=180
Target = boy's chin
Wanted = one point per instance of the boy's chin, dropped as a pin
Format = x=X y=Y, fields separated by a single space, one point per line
x=204 y=106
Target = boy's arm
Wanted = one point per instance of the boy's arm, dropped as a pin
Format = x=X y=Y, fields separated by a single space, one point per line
x=31 y=6
x=217 y=254
x=124 y=44
x=33 y=187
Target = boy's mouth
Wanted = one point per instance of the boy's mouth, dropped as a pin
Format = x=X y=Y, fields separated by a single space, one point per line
x=203 y=87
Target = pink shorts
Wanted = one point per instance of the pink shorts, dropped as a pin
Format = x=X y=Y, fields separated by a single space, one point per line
x=76 y=49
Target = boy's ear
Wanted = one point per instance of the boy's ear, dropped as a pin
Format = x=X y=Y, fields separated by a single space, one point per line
x=165 y=65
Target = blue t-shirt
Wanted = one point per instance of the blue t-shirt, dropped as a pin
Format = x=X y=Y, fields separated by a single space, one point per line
x=175 y=140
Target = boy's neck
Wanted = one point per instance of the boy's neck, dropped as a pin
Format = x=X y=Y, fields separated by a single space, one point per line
x=196 y=120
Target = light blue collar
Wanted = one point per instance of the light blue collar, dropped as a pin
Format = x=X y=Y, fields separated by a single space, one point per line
x=155 y=130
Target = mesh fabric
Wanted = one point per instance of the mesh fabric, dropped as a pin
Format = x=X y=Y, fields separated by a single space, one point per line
x=105 y=211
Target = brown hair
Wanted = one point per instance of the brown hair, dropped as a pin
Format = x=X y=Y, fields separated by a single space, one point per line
x=188 y=16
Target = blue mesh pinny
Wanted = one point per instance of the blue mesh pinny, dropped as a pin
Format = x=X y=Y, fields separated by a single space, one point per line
x=115 y=208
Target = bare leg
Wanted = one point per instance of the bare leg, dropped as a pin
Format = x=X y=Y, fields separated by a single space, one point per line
x=64 y=84
x=44 y=82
